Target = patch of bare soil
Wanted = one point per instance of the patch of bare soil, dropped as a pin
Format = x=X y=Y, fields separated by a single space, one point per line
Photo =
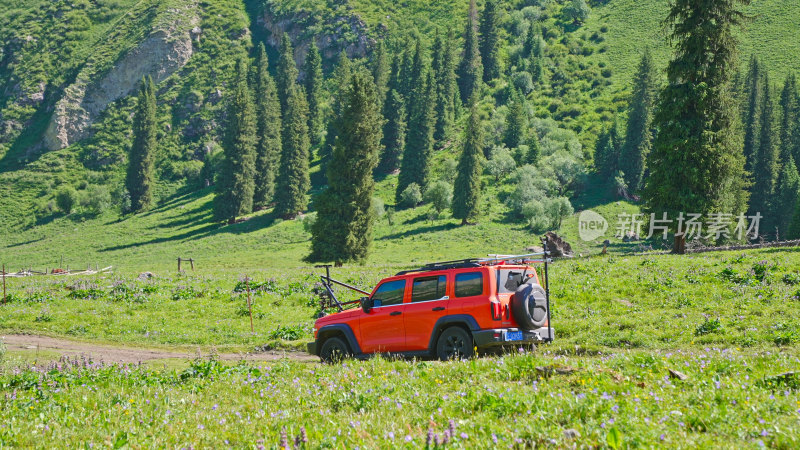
x=121 y=354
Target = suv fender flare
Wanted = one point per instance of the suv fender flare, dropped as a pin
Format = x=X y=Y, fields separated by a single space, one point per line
x=339 y=328
x=457 y=319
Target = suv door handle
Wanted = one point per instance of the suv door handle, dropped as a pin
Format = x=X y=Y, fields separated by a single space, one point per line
x=438 y=308
x=395 y=313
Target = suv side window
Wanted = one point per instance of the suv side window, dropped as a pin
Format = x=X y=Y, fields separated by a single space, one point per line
x=469 y=284
x=428 y=288
x=390 y=293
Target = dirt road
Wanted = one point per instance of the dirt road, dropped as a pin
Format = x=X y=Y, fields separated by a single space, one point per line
x=119 y=354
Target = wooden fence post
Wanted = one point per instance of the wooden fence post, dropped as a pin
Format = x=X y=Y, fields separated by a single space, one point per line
x=179 y=265
x=4 y=283
x=249 y=303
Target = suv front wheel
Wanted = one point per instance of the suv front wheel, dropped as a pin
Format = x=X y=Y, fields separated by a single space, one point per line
x=454 y=343
x=334 y=350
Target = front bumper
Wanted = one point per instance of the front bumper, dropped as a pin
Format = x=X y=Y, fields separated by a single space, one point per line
x=312 y=348
x=497 y=337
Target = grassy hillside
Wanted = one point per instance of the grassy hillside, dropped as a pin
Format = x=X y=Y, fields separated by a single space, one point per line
x=771 y=34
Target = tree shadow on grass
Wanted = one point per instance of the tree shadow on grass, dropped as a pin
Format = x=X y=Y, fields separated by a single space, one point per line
x=422 y=230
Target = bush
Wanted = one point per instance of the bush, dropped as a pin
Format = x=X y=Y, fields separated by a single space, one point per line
x=411 y=196
x=378 y=208
x=558 y=209
x=98 y=199
x=530 y=186
x=449 y=170
x=534 y=212
x=524 y=82
x=439 y=194
x=67 y=199
x=501 y=163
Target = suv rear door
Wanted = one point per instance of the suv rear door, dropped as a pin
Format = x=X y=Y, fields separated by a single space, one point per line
x=382 y=328
x=428 y=302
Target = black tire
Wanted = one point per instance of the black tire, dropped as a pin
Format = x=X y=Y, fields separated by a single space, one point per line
x=454 y=343
x=529 y=306
x=334 y=350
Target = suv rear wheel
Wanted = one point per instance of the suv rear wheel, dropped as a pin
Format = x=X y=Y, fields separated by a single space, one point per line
x=454 y=343
x=334 y=350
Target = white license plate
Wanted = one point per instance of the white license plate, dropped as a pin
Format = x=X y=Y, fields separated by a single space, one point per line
x=513 y=335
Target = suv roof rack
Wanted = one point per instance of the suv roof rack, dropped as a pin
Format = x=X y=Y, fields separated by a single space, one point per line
x=455 y=264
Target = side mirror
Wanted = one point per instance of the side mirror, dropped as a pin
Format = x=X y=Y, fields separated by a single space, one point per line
x=367 y=304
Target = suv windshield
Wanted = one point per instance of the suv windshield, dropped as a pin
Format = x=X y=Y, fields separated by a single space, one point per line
x=508 y=280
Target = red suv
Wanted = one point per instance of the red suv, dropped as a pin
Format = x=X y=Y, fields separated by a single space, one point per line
x=445 y=310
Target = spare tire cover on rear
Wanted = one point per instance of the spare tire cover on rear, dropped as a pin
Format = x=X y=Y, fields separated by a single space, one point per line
x=529 y=305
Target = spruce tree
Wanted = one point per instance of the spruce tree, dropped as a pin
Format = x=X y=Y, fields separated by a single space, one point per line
x=470 y=69
x=531 y=39
x=794 y=228
x=341 y=77
x=607 y=151
x=639 y=137
x=415 y=167
x=139 y=180
x=785 y=201
x=343 y=229
x=515 y=122
x=394 y=132
x=406 y=68
x=490 y=40
x=268 y=131
x=443 y=67
x=313 y=86
x=467 y=187
x=286 y=74
x=534 y=150
x=236 y=183
x=395 y=73
x=696 y=165
x=789 y=117
x=765 y=168
x=751 y=119
x=293 y=181
x=379 y=67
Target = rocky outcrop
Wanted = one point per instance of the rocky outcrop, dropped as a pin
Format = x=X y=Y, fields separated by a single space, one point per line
x=339 y=33
x=159 y=55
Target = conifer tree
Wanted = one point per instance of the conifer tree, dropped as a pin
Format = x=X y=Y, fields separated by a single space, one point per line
x=785 y=202
x=467 y=187
x=341 y=77
x=236 y=183
x=470 y=69
x=531 y=39
x=794 y=228
x=268 y=131
x=534 y=150
x=293 y=181
x=696 y=164
x=286 y=74
x=515 y=121
x=415 y=167
x=313 y=87
x=443 y=67
x=406 y=68
x=751 y=119
x=789 y=117
x=395 y=73
x=394 y=133
x=343 y=229
x=139 y=180
x=607 y=151
x=379 y=67
x=490 y=40
x=639 y=137
x=765 y=168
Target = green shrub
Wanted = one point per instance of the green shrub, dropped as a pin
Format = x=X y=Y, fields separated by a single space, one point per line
x=411 y=196
x=440 y=195
x=67 y=199
x=707 y=327
x=97 y=199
